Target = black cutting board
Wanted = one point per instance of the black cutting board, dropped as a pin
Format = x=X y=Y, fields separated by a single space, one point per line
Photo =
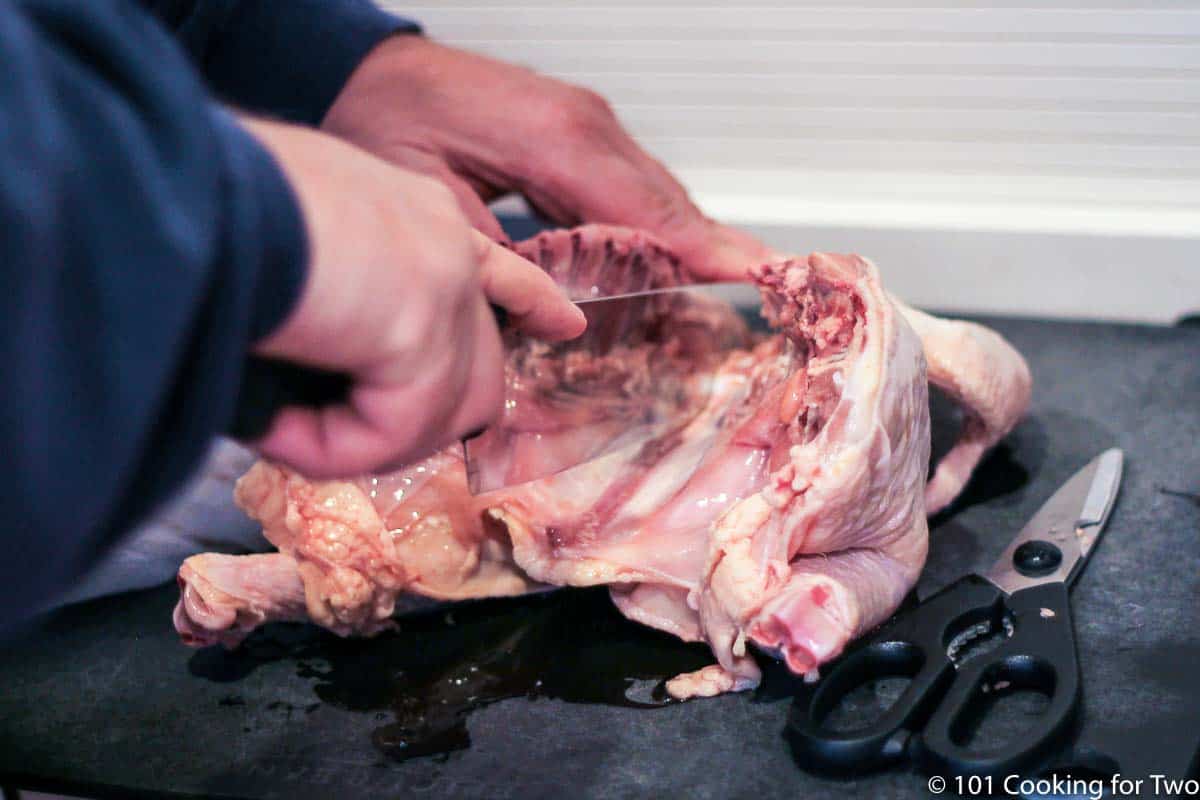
x=102 y=700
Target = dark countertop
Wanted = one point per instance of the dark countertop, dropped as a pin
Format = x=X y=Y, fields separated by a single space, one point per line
x=103 y=700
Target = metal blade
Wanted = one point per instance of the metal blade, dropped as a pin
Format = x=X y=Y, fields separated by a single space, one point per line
x=705 y=288
x=567 y=425
x=1055 y=543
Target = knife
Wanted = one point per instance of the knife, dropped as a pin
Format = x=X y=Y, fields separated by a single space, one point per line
x=543 y=434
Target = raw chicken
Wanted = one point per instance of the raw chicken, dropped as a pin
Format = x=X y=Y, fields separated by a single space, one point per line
x=785 y=509
x=635 y=379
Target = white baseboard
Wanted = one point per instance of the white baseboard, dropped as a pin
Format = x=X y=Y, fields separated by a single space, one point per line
x=1061 y=275
x=1120 y=249
x=1112 y=249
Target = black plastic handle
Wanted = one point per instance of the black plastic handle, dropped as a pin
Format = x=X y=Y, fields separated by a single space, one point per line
x=1040 y=655
x=501 y=315
x=931 y=720
x=913 y=645
x=269 y=385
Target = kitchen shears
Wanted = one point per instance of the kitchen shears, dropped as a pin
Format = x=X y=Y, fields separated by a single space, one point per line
x=1020 y=606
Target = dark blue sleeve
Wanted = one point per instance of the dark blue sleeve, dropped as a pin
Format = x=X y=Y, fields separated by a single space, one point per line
x=145 y=241
x=286 y=58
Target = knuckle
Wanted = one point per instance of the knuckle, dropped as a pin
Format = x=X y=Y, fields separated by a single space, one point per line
x=591 y=101
x=429 y=190
x=440 y=194
x=579 y=111
x=666 y=214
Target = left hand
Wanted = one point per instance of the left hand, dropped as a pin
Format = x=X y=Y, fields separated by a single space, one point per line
x=484 y=128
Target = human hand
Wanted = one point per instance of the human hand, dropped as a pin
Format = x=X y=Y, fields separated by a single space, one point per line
x=397 y=297
x=484 y=128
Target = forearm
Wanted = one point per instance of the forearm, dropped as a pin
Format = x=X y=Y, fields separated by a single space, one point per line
x=286 y=59
x=148 y=240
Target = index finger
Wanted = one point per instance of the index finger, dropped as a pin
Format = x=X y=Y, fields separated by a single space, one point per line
x=640 y=192
x=536 y=305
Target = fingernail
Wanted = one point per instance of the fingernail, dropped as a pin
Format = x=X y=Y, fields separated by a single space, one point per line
x=580 y=318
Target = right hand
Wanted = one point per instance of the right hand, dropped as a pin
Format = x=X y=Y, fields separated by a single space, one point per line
x=397 y=297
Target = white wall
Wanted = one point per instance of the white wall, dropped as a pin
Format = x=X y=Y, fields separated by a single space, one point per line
x=1042 y=159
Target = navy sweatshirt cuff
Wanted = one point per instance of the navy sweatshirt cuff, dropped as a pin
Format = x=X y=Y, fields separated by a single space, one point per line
x=291 y=60
x=266 y=205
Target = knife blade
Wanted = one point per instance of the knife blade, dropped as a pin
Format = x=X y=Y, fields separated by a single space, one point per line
x=543 y=432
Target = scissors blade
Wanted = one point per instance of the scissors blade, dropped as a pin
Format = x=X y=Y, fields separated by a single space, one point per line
x=1055 y=543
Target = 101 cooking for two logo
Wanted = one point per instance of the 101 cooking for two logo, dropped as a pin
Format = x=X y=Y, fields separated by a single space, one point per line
x=1066 y=786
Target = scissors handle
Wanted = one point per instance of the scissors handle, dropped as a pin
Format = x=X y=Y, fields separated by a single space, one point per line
x=1039 y=656
x=912 y=645
x=932 y=718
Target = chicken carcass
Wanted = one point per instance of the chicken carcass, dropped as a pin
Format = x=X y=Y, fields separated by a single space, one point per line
x=785 y=508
